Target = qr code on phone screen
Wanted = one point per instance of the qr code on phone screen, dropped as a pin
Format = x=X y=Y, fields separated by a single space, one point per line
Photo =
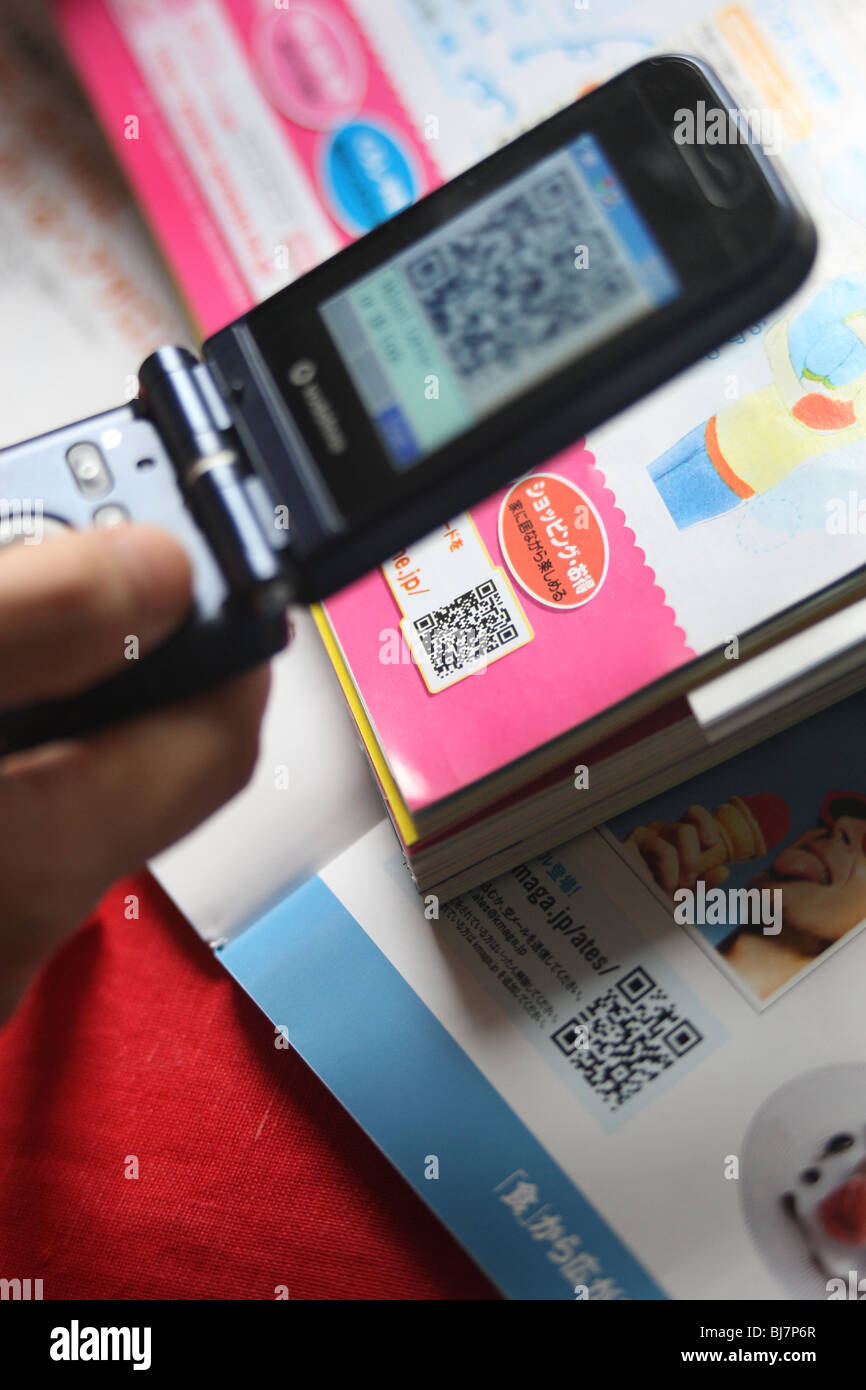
x=499 y=289
x=625 y=1038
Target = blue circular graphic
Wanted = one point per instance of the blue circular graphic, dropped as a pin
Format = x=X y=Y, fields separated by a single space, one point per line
x=368 y=175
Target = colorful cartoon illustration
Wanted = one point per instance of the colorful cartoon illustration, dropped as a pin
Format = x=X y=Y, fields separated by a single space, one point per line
x=816 y=403
x=803 y=1182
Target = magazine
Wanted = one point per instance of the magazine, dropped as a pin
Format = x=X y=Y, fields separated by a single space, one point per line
x=631 y=1068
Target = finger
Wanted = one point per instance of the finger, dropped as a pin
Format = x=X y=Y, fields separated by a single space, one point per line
x=689 y=851
x=716 y=876
x=667 y=829
x=706 y=825
x=78 y=815
x=68 y=606
x=660 y=856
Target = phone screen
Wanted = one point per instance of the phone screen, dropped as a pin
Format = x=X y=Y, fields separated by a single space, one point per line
x=499 y=296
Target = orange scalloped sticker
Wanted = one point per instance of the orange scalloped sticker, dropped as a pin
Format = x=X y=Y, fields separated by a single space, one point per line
x=553 y=541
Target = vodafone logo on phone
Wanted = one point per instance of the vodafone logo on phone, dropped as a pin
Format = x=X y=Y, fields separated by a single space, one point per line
x=553 y=541
x=320 y=409
x=301 y=373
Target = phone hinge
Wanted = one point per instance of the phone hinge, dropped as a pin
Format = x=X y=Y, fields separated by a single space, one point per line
x=229 y=501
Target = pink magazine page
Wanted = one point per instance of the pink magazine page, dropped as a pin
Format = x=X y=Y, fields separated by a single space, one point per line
x=258 y=140
x=504 y=630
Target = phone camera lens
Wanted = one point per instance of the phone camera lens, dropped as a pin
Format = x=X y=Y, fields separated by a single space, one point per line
x=112 y=514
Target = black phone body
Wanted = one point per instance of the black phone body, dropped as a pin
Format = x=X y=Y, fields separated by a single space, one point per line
x=443 y=354
x=504 y=315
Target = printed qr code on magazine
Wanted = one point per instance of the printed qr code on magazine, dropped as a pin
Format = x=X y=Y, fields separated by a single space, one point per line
x=470 y=629
x=506 y=285
x=625 y=1038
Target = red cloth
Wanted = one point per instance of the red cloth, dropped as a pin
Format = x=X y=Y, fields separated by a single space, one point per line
x=135 y=1041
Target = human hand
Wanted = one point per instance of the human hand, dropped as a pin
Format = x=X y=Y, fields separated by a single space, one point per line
x=670 y=851
x=76 y=815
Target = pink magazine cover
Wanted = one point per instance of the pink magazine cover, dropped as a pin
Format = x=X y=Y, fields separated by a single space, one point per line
x=258 y=140
x=548 y=579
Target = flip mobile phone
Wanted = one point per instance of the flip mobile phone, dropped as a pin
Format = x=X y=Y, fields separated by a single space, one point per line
x=444 y=353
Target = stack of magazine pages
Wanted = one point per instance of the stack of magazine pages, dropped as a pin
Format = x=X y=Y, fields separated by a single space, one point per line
x=517 y=1032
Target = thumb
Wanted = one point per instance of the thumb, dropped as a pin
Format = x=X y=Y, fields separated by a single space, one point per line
x=68 y=606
